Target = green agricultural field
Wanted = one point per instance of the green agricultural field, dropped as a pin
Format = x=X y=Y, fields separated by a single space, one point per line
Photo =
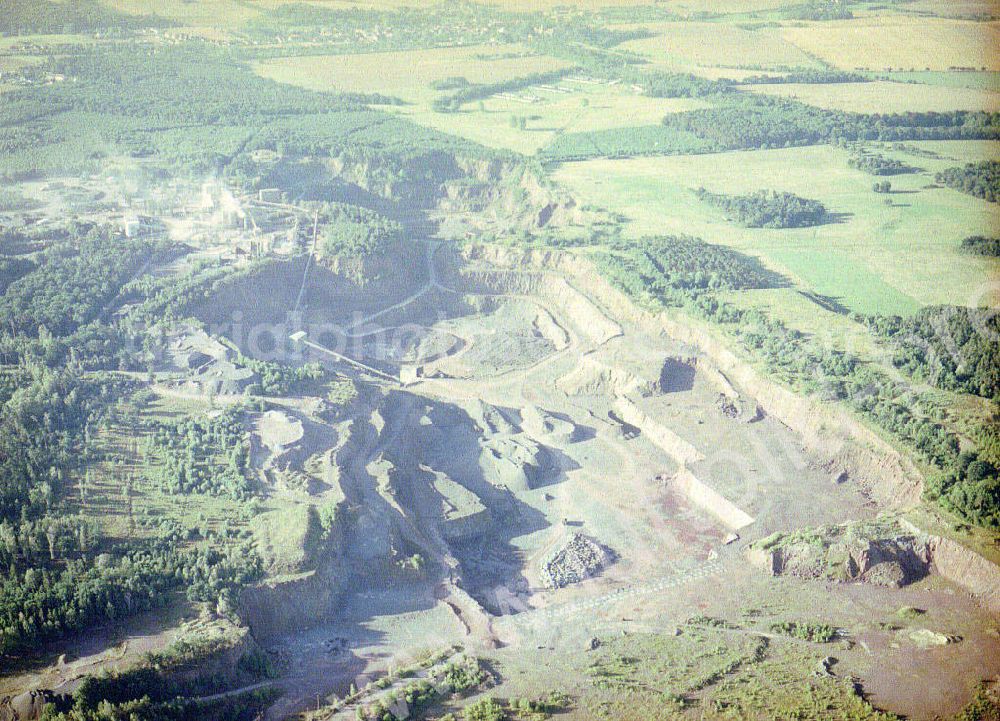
x=54 y=41
x=593 y=107
x=13 y=63
x=555 y=119
x=407 y=75
x=953 y=8
x=559 y=111
x=812 y=314
x=886 y=97
x=873 y=259
x=218 y=13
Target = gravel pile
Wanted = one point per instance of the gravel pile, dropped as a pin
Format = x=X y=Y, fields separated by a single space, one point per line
x=581 y=558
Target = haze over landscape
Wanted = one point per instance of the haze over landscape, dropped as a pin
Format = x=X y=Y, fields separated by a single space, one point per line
x=486 y=361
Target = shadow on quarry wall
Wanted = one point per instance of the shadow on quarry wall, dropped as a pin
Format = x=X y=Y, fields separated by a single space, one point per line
x=425 y=477
x=457 y=470
x=677 y=376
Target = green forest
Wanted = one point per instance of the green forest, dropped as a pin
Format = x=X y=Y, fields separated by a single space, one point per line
x=979 y=179
x=767 y=209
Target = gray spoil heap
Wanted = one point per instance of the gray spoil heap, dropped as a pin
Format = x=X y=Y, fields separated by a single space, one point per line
x=579 y=559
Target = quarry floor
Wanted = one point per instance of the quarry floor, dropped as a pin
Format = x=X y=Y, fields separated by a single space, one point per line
x=519 y=348
x=673 y=560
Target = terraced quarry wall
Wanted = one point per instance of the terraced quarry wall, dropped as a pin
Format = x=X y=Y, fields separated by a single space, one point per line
x=707 y=499
x=829 y=432
x=967 y=569
x=675 y=446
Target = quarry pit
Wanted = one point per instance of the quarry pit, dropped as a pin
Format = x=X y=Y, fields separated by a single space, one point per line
x=548 y=454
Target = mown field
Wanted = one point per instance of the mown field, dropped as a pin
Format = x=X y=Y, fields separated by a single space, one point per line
x=873 y=259
x=218 y=13
x=717 y=45
x=954 y=8
x=901 y=43
x=978 y=80
x=885 y=97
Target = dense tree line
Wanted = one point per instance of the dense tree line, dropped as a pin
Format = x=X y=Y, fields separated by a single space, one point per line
x=190 y=107
x=790 y=355
x=166 y=688
x=156 y=299
x=979 y=179
x=42 y=429
x=277 y=379
x=878 y=164
x=242 y=707
x=178 y=85
x=767 y=209
x=678 y=85
x=12 y=269
x=453 y=102
x=624 y=67
x=982 y=245
x=951 y=347
x=821 y=10
x=742 y=121
x=807 y=77
x=970 y=488
x=678 y=267
x=368 y=29
x=833 y=375
x=39 y=603
x=623 y=143
x=745 y=121
x=60 y=575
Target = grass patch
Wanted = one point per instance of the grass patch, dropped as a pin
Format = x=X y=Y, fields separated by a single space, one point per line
x=805 y=631
x=872 y=260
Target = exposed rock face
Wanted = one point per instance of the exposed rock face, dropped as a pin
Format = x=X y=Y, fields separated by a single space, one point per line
x=463 y=515
x=925 y=638
x=517 y=463
x=968 y=569
x=281 y=606
x=540 y=424
x=885 y=552
x=882 y=553
x=27 y=706
x=828 y=431
x=591 y=377
x=502 y=195
x=710 y=500
x=579 y=559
